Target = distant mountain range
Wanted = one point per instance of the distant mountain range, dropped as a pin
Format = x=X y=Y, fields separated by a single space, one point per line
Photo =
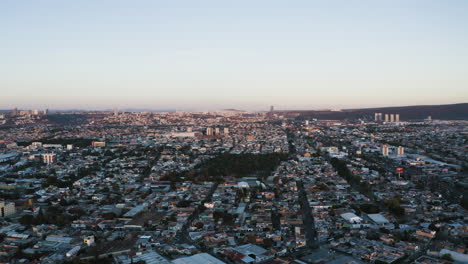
x=418 y=112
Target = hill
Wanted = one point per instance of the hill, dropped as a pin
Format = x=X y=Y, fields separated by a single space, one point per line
x=443 y=112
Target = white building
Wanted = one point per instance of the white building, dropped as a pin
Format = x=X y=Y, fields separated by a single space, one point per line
x=36 y=145
x=378 y=116
x=351 y=218
x=181 y=134
x=7 y=209
x=201 y=258
x=378 y=219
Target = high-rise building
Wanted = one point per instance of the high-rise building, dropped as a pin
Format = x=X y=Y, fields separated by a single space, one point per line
x=392 y=118
x=397 y=117
x=386 y=118
x=116 y=112
x=217 y=131
x=46 y=111
x=14 y=112
x=307 y=122
x=48 y=158
x=272 y=108
x=385 y=150
x=378 y=116
x=226 y=131
x=401 y=151
x=7 y=209
x=209 y=131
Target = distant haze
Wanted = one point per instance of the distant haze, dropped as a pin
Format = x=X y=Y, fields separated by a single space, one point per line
x=190 y=55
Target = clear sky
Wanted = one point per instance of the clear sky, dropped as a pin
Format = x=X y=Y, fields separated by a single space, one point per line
x=245 y=54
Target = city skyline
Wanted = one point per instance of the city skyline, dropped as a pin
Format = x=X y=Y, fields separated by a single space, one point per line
x=211 y=55
x=271 y=108
x=233 y=132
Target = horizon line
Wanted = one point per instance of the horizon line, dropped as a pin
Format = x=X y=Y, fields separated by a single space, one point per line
x=136 y=109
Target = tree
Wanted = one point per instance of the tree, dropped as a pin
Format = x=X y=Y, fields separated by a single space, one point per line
x=393 y=205
x=184 y=203
x=268 y=242
x=26 y=220
x=369 y=208
x=447 y=256
x=108 y=216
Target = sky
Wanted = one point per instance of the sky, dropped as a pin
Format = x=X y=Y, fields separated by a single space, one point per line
x=243 y=54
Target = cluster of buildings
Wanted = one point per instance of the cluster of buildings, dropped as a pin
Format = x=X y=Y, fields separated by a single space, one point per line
x=398 y=151
x=22 y=117
x=129 y=188
x=392 y=118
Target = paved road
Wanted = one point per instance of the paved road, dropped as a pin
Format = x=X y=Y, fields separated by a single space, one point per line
x=182 y=235
x=309 y=222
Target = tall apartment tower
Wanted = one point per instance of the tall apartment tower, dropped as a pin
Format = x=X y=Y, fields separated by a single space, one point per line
x=401 y=151
x=386 y=118
x=14 y=112
x=378 y=116
x=385 y=150
x=217 y=131
x=116 y=112
x=7 y=209
x=49 y=158
x=397 y=118
x=272 y=108
x=209 y=131
x=226 y=131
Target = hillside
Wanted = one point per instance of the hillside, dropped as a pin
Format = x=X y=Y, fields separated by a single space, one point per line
x=444 y=112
